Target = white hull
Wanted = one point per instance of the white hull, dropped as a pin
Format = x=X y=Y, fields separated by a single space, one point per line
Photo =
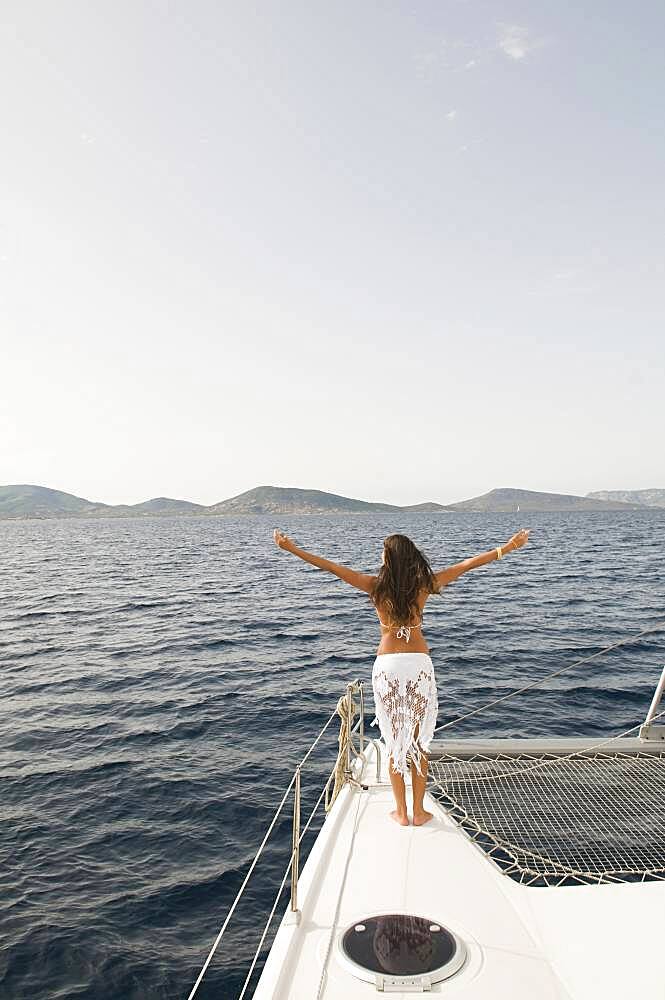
x=583 y=942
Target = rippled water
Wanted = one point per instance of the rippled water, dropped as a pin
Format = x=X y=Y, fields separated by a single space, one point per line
x=161 y=678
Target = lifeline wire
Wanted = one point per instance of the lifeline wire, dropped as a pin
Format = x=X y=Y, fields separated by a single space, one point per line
x=253 y=864
x=279 y=892
x=548 y=677
x=560 y=758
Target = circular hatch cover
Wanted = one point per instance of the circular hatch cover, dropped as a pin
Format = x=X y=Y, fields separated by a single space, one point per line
x=398 y=944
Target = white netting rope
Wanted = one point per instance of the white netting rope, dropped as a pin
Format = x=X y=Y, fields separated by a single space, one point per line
x=591 y=806
x=599 y=820
x=590 y=816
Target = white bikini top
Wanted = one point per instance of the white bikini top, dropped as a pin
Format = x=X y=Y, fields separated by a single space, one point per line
x=404 y=631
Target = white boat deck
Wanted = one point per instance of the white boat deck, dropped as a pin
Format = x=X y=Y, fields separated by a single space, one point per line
x=576 y=942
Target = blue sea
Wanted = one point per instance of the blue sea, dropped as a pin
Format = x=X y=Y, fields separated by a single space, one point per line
x=161 y=677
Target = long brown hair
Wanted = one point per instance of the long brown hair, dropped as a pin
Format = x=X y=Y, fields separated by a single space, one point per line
x=405 y=572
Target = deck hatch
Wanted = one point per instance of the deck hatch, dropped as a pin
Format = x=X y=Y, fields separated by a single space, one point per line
x=553 y=819
x=400 y=951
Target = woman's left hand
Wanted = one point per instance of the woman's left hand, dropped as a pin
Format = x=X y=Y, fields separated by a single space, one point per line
x=519 y=539
x=282 y=540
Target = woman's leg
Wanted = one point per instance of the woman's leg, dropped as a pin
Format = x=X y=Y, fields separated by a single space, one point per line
x=399 y=791
x=419 y=784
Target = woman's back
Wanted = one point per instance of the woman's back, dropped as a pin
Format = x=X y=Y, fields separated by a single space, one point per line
x=402 y=637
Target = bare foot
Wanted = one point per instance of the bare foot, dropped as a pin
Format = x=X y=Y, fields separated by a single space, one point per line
x=421 y=817
x=402 y=820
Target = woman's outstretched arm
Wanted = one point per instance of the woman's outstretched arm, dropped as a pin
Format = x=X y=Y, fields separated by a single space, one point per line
x=446 y=576
x=363 y=581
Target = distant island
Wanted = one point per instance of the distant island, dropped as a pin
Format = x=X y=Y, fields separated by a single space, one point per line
x=645 y=498
x=29 y=501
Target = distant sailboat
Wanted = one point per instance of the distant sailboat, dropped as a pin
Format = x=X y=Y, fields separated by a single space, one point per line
x=518 y=509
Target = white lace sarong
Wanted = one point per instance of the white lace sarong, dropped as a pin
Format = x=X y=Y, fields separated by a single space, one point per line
x=405 y=696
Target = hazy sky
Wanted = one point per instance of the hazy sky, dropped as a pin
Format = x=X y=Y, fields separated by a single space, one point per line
x=398 y=251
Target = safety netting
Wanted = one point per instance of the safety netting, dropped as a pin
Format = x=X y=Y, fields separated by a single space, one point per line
x=560 y=819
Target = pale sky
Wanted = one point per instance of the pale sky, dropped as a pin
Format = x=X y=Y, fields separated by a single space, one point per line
x=397 y=251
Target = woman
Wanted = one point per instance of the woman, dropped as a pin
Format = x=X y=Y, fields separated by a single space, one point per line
x=403 y=680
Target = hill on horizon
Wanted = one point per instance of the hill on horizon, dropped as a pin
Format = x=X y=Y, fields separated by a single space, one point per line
x=292 y=500
x=508 y=499
x=28 y=500
x=25 y=499
x=645 y=498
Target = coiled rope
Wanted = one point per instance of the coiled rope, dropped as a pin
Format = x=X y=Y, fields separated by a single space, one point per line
x=346 y=713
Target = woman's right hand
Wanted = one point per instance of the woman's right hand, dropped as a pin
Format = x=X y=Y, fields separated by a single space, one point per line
x=519 y=539
x=282 y=540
